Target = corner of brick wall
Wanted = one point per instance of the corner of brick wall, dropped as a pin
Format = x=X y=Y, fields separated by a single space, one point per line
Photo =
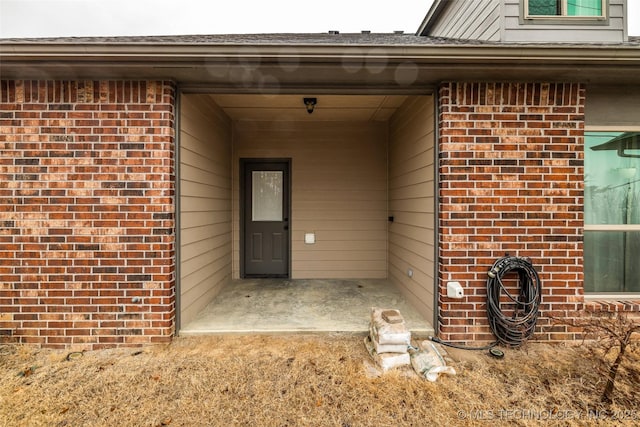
x=87 y=215
x=511 y=182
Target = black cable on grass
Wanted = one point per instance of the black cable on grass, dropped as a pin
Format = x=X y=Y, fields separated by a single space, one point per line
x=515 y=329
x=463 y=347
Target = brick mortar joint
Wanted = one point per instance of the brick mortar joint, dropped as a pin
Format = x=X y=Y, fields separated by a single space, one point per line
x=631 y=305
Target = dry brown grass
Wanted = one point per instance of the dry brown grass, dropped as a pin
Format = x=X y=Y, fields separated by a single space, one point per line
x=299 y=381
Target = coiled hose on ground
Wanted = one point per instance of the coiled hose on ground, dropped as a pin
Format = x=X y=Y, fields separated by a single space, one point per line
x=513 y=330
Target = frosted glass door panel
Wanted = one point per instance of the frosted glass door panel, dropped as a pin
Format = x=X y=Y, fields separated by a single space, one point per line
x=266 y=196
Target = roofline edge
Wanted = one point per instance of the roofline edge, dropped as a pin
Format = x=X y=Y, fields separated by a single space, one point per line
x=436 y=9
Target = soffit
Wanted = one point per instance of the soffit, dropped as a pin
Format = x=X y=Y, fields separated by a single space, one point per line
x=290 y=107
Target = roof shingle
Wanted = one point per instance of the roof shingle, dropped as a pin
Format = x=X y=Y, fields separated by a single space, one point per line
x=366 y=39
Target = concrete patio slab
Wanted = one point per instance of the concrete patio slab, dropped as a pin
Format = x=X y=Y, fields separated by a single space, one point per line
x=252 y=306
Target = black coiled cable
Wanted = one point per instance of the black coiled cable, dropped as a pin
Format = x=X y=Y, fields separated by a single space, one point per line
x=519 y=327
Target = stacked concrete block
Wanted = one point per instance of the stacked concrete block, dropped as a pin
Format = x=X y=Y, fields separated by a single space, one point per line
x=388 y=339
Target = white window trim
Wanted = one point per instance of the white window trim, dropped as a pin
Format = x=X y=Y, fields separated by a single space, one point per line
x=612 y=227
x=563 y=16
x=612 y=128
x=620 y=296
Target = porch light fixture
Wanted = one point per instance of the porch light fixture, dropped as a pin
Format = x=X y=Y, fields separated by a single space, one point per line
x=310 y=104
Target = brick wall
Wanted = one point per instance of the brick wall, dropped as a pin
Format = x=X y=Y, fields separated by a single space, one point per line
x=629 y=308
x=511 y=181
x=87 y=236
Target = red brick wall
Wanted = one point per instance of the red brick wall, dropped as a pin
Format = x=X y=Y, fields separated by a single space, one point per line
x=87 y=236
x=511 y=181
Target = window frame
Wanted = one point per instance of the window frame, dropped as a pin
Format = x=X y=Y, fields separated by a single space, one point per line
x=563 y=19
x=609 y=227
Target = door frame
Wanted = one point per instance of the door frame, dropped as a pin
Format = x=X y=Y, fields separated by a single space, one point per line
x=244 y=161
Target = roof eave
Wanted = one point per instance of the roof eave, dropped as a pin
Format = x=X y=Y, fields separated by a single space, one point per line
x=321 y=65
x=453 y=52
x=436 y=9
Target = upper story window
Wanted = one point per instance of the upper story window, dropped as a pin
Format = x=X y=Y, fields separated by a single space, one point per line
x=564 y=8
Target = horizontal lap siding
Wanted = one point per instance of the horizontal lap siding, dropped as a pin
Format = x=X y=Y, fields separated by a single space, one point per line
x=339 y=192
x=610 y=31
x=412 y=202
x=502 y=20
x=205 y=203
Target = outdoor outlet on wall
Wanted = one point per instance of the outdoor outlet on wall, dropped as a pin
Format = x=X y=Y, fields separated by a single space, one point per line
x=454 y=290
x=309 y=238
x=409 y=272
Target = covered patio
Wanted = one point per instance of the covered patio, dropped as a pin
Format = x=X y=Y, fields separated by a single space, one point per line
x=302 y=306
x=357 y=185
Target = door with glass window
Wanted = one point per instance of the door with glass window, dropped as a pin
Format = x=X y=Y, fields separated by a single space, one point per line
x=265 y=218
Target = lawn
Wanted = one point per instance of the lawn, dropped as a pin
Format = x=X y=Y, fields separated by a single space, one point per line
x=305 y=380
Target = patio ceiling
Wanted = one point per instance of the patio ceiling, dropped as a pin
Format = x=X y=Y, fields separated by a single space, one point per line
x=290 y=107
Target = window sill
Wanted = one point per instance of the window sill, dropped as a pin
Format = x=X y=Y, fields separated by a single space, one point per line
x=611 y=304
x=565 y=20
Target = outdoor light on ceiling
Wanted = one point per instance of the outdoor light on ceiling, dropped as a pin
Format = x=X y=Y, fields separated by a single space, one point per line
x=310 y=104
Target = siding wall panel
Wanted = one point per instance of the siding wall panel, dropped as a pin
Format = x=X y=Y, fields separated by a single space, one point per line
x=601 y=111
x=475 y=20
x=205 y=203
x=412 y=202
x=339 y=192
x=502 y=20
x=564 y=31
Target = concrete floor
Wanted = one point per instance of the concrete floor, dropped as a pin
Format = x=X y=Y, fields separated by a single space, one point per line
x=302 y=306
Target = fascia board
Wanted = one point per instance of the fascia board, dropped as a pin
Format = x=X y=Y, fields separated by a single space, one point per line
x=165 y=54
x=453 y=51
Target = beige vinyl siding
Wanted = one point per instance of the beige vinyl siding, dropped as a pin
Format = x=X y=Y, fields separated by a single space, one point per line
x=339 y=192
x=471 y=20
x=412 y=202
x=564 y=30
x=205 y=203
